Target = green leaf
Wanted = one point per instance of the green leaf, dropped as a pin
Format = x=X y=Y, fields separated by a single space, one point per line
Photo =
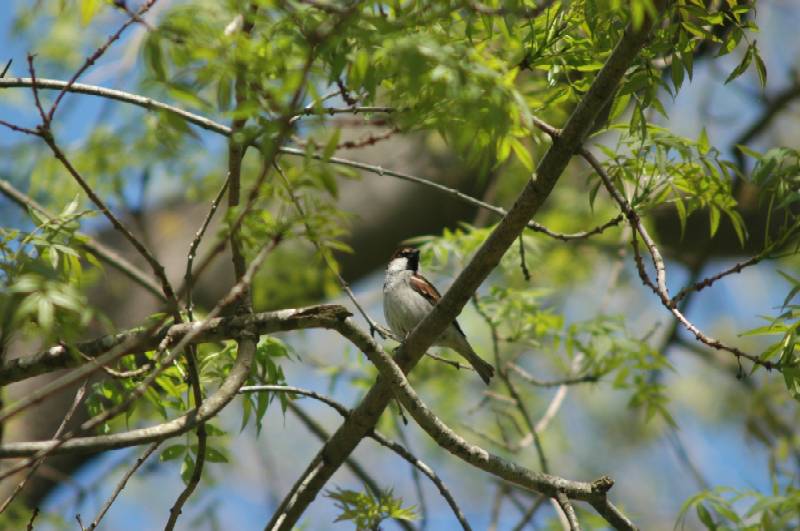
x=742 y=66
x=705 y=516
x=676 y=70
x=187 y=467
x=522 y=153
x=333 y=142
x=761 y=68
x=153 y=56
x=45 y=313
x=702 y=142
x=714 y=217
x=215 y=456
x=172 y=452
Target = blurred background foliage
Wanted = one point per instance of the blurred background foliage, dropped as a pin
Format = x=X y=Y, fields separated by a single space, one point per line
x=699 y=137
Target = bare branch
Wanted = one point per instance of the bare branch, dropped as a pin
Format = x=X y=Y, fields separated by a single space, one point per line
x=188 y=279
x=18 y=128
x=35 y=511
x=382 y=440
x=210 y=125
x=96 y=55
x=569 y=511
x=709 y=281
x=528 y=377
x=529 y=514
x=121 y=485
x=35 y=90
x=659 y=287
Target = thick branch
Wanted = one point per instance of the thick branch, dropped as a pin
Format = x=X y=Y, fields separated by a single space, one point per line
x=219 y=329
x=397 y=448
x=549 y=485
x=366 y=414
x=336 y=318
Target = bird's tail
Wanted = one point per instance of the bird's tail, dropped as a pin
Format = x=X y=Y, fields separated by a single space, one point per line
x=484 y=369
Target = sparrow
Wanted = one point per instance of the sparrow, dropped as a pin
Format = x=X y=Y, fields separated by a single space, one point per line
x=408 y=297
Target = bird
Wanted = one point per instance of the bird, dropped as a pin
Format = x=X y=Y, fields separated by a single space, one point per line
x=408 y=297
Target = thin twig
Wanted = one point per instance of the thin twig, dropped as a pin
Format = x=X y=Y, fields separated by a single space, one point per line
x=35 y=511
x=18 y=128
x=709 y=281
x=522 y=264
x=528 y=377
x=529 y=514
x=373 y=326
x=569 y=511
x=659 y=287
x=211 y=125
x=415 y=477
x=35 y=90
x=382 y=440
x=121 y=484
x=187 y=277
x=96 y=55
x=155 y=265
x=533 y=433
x=79 y=394
x=134 y=373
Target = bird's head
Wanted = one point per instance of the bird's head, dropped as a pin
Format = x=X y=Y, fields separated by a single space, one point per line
x=404 y=259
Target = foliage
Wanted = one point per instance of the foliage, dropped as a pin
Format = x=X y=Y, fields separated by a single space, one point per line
x=474 y=79
x=725 y=508
x=367 y=510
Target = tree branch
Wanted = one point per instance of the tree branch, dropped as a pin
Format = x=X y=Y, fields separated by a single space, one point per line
x=213 y=330
x=659 y=287
x=354 y=466
x=335 y=318
x=381 y=439
x=366 y=414
x=215 y=127
x=391 y=373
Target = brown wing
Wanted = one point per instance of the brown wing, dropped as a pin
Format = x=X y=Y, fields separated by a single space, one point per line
x=421 y=285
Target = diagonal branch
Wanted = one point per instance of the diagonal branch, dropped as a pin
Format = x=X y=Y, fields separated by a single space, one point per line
x=337 y=318
x=659 y=287
x=366 y=414
x=594 y=493
x=399 y=449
